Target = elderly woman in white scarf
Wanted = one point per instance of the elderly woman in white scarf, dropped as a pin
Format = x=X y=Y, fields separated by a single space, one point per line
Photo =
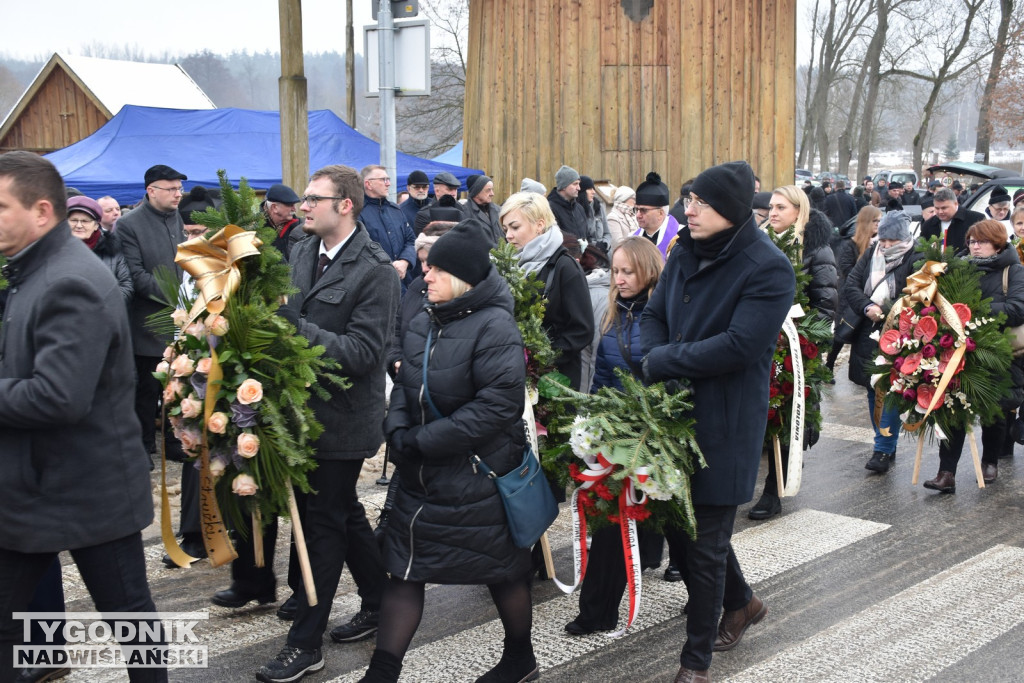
x=622 y=218
x=871 y=287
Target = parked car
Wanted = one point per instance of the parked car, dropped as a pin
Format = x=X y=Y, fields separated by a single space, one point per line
x=896 y=175
x=992 y=175
x=801 y=175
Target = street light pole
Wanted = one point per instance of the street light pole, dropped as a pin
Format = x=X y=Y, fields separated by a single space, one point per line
x=386 y=52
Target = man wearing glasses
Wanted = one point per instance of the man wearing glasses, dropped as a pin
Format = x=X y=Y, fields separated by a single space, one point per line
x=150 y=234
x=713 y=319
x=418 y=187
x=387 y=223
x=656 y=224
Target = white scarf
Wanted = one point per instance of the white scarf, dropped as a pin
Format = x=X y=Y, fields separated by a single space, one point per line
x=541 y=248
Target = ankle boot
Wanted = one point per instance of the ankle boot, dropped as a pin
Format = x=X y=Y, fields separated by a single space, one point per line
x=518 y=664
x=768 y=506
x=384 y=668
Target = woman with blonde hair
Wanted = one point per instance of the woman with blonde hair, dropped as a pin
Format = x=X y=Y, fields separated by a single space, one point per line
x=530 y=226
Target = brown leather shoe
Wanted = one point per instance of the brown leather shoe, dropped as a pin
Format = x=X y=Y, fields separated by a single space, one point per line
x=690 y=676
x=944 y=482
x=736 y=622
x=989 y=472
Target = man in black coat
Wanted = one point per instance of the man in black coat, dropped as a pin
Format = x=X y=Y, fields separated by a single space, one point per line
x=446 y=192
x=150 y=234
x=74 y=475
x=347 y=300
x=714 y=319
x=950 y=220
x=279 y=208
x=418 y=187
x=839 y=205
x=563 y=198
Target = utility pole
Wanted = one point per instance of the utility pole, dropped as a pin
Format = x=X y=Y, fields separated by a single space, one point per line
x=386 y=52
x=292 y=94
x=350 y=66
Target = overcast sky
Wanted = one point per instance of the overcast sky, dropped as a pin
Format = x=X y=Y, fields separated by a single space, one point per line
x=177 y=26
x=185 y=26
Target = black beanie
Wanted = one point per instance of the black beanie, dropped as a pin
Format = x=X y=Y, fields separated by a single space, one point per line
x=728 y=188
x=999 y=195
x=417 y=178
x=197 y=199
x=463 y=251
x=586 y=182
x=652 y=192
x=475 y=184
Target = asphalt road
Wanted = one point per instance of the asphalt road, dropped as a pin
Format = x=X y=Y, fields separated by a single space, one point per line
x=866 y=577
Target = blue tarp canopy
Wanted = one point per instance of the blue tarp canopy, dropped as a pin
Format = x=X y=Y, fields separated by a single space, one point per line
x=243 y=142
x=452 y=156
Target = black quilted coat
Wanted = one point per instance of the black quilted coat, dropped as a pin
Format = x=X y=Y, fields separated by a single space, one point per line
x=448 y=524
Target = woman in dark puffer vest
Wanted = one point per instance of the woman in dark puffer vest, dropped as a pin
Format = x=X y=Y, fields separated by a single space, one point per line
x=989 y=250
x=789 y=207
x=448 y=524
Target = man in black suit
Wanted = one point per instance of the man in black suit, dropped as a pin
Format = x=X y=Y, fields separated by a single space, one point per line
x=950 y=220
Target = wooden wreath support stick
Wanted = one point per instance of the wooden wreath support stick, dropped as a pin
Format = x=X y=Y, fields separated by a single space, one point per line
x=300 y=548
x=974 y=456
x=779 y=474
x=917 y=458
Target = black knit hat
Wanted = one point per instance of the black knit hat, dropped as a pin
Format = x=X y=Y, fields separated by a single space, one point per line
x=999 y=195
x=417 y=178
x=197 y=199
x=475 y=184
x=652 y=192
x=463 y=251
x=728 y=188
x=586 y=182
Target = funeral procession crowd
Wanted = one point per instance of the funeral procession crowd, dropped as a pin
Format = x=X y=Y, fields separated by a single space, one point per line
x=406 y=298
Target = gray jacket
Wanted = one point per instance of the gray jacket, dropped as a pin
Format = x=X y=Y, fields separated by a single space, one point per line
x=74 y=472
x=149 y=239
x=351 y=312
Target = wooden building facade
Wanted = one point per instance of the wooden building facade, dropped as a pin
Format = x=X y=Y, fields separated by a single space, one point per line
x=617 y=88
x=72 y=97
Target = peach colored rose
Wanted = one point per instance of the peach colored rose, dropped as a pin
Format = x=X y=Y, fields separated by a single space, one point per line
x=217 y=467
x=203 y=365
x=183 y=366
x=172 y=390
x=197 y=330
x=190 y=440
x=180 y=317
x=217 y=324
x=191 y=408
x=168 y=354
x=163 y=366
x=248 y=444
x=249 y=391
x=218 y=423
x=244 y=485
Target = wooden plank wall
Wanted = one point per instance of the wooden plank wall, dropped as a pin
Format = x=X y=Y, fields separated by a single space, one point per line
x=59 y=114
x=695 y=83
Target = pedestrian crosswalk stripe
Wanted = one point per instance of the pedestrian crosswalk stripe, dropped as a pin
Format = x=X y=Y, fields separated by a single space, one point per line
x=915 y=634
x=764 y=551
x=834 y=430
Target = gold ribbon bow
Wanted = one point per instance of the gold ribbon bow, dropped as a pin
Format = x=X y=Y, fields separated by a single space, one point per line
x=212 y=264
x=923 y=285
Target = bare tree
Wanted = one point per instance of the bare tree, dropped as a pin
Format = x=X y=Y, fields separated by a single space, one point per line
x=1006 y=116
x=998 y=52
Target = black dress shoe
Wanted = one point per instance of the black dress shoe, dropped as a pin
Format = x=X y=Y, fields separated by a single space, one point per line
x=989 y=472
x=236 y=596
x=288 y=609
x=672 y=574
x=191 y=545
x=40 y=674
x=578 y=628
x=944 y=482
x=768 y=506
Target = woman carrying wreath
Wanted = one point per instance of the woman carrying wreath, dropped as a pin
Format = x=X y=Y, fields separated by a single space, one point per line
x=789 y=207
x=636 y=267
x=871 y=287
x=459 y=392
x=989 y=250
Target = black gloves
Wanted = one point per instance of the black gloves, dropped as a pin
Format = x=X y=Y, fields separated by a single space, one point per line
x=289 y=312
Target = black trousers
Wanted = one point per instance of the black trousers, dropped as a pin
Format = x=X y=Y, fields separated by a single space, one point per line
x=771 y=481
x=189 y=514
x=993 y=443
x=337 y=533
x=147 y=398
x=713 y=579
x=114 y=572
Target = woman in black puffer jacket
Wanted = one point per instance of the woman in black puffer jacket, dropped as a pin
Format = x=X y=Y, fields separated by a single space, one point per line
x=448 y=524
x=989 y=250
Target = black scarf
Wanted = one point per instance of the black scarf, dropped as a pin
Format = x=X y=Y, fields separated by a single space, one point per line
x=711 y=247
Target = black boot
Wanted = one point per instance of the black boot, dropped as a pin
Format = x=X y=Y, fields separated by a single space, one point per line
x=768 y=506
x=384 y=668
x=517 y=664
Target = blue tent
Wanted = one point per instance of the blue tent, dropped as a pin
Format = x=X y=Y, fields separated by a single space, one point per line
x=113 y=160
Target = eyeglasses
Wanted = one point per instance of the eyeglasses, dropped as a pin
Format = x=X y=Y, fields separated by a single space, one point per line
x=420 y=187
x=977 y=243
x=173 y=190
x=387 y=181
x=697 y=204
x=80 y=222
x=312 y=199
x=645 y=209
